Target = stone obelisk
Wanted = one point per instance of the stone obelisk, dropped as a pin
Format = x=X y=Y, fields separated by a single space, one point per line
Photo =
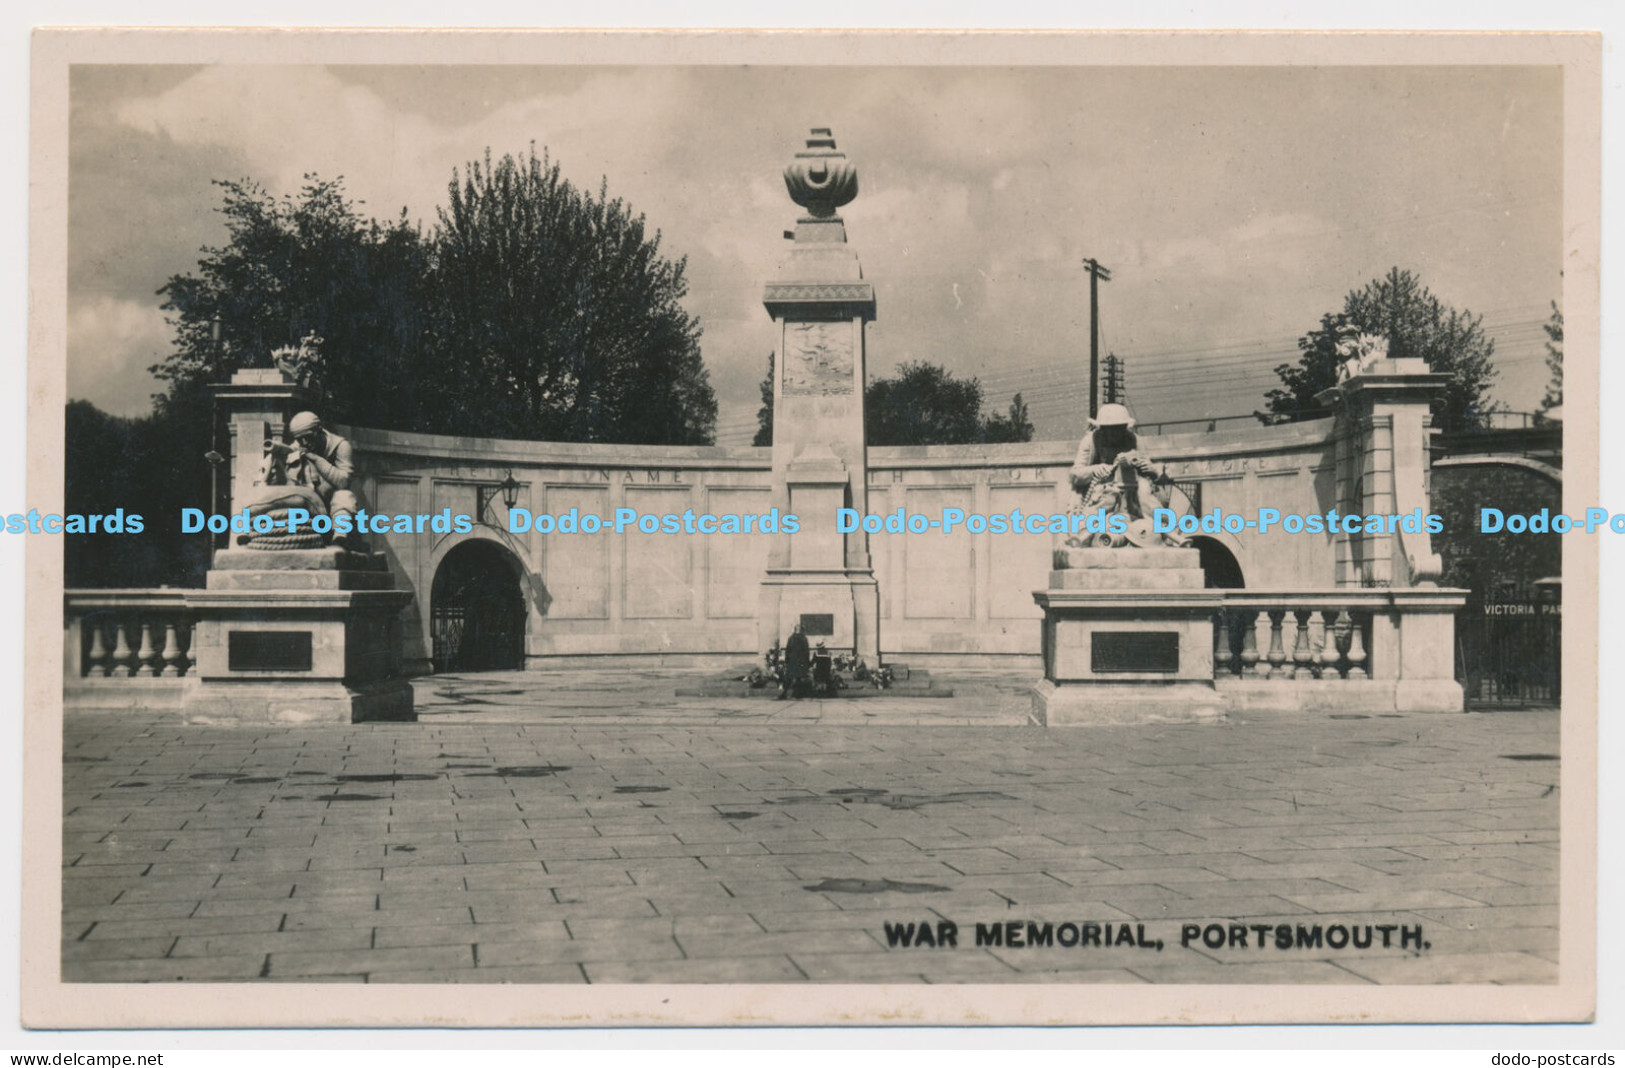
x=820 y=304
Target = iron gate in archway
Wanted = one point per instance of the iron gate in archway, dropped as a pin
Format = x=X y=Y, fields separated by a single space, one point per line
x=476 y=611
x=1510 y=647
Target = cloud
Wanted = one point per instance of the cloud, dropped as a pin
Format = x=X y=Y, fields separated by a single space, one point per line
x=1232 y=204
x=111 y=343
x=289 y=121
x=1276 y=243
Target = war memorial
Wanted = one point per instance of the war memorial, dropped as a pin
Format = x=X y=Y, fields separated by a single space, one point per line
x=1350 y=621
x=1158 y=734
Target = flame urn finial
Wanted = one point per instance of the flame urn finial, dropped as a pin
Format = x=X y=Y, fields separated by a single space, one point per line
x=821 y=179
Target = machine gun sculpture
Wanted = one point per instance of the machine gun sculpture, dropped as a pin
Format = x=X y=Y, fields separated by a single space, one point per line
x=277 y=492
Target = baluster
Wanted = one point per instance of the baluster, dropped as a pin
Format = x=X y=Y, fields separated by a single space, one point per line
x=1248 y=621
x=1356 y=650
x=123 y=657
x=1317 y=641
x=167 y=668
x=1277 y=654
x=1329 y=652
x=96 y=662
x=147 y=661
x=1302 y=656
x=182 y=658
x=1221 y=643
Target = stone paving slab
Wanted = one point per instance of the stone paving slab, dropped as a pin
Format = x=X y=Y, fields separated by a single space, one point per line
x=528 y=832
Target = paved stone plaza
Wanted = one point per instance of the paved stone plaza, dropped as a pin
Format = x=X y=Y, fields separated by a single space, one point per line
x=569 y=829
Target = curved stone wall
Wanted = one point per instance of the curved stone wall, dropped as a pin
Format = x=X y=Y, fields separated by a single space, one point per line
x=692 y=599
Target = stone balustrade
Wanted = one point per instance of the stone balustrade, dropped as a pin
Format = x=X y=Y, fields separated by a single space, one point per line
x=1328 y=649
x=1354 y=649
x=1274 y=642
x=126 y=648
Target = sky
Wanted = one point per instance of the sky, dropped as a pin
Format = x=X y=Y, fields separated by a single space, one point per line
x=1233 y=206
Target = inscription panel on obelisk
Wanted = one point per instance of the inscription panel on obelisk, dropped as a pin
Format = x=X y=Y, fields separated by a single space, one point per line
x=818 y=359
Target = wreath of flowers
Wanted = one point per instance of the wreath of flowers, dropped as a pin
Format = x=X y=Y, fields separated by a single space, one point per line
x=842 y=665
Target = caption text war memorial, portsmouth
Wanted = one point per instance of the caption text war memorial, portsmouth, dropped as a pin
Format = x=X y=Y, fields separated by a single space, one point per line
x=1118 y=625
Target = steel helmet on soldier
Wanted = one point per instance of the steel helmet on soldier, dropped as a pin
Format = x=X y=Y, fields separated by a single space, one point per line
x=304 y=423
x=1114 y=415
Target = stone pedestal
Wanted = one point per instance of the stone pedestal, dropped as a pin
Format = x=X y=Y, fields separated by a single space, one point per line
x=1128 y=638
x=298 y=636
x=292 y=635
x=812 y=582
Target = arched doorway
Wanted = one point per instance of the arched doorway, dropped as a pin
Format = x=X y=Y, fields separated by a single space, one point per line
x=477 y=612
x=1219 y=566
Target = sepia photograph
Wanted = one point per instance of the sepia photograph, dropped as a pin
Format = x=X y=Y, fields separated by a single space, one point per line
x=789 y=529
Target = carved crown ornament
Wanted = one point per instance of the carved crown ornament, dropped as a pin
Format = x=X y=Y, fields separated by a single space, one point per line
x=820 y=178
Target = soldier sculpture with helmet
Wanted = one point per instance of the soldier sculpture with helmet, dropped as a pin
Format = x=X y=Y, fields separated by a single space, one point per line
x=312 y=474
x=1111 y=475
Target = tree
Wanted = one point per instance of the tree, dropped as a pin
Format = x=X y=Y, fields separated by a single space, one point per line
x=922 y=405
x=764 y=414
x=1014 y=426
x=152 y=467
x=307 y=275
x=1485 y=562
x=925 y=405
x=558 y=316
x=1554 y=362
x=533 y=310
x=1417 y=325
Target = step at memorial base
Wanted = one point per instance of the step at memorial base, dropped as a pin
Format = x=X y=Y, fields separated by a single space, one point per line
x=1127 y=703
x=905 y=683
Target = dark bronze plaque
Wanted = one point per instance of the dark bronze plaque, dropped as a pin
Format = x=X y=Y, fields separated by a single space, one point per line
x=818 y=624
x=1133 y=650
x=268 y=650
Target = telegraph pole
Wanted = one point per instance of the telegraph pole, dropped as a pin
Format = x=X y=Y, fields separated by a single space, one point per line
x=1114 y=379
x=1097 y=273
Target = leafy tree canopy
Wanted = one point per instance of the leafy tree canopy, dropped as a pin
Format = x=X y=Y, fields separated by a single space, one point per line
x=345 y=298
x=1485 y=563
x=1011 y=426
x=151 y=466
x=566 y=318
x=1417 y=325
x=532 y=310
x=922 y=405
